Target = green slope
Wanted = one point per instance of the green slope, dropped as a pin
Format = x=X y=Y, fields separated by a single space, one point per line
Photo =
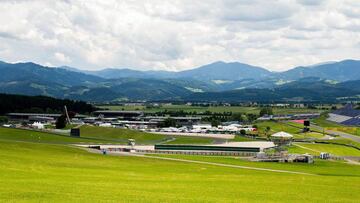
x=90 y=134
x=42 y=137
x=121 y=135
x=32 y=172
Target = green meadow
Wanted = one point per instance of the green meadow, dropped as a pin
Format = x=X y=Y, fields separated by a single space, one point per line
x=90 y=134
x=42 y=137
x=320 y=167
x=43 y=167
x=289 y=127
x=39 y=172
x=338 y=150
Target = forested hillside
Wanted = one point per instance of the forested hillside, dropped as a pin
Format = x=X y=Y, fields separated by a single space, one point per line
x=40 y=104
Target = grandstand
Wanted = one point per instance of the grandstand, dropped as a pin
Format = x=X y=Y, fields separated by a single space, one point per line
x=346 y=116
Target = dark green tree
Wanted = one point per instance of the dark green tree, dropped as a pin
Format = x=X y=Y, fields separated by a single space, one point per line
x=60 y=122
x=168 y=122
x=3 y=119
x=251 y=117
x=266 y=111
x=267 y=131
x=215 y=122
x=242 y=132
x=236 y=117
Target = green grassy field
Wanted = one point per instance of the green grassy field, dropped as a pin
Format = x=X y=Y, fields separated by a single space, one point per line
x=33 y=172
x=319 y=167
x=289 y=127
x=121 y=135
x=349 y=130
x=276 y=127
x=312 y=135
x=42 y=137
x=91 y=134
x=239 y=138
x=215 y=109
x=343 y=141
x=330 y=148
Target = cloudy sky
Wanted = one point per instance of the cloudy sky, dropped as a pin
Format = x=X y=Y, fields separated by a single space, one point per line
x=179 y=34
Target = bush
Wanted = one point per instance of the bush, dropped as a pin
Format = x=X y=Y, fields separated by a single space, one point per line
x=4 y=119
x=266 y=111
x=215 y=123
x=61 y=122
x=242 y=132
x=169 y=122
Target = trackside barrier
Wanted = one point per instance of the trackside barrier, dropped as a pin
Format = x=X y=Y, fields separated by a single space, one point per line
x=206 y=153
x=337 y=158
x=218 y=153
x=206 y=148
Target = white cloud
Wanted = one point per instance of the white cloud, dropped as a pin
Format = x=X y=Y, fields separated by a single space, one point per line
x=311 y=2
x=62 y=58
x=178 y=34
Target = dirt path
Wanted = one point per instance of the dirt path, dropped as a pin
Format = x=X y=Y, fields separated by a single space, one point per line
x=350 y=161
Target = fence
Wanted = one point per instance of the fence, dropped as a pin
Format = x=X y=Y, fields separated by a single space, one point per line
x=206 y=153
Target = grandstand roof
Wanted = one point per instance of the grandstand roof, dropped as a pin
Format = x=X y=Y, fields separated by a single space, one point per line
x=348 y=110
x=352 y=121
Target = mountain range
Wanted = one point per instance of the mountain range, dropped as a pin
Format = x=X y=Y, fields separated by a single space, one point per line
x=310 y=89
x=217 y=81
x=233 y=71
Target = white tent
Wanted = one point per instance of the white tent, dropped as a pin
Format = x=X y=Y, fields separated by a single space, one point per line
x=282 y=134
x=281 y=138
x=38 y=125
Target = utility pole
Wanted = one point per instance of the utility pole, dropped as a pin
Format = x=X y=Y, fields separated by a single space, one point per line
x=67 y=115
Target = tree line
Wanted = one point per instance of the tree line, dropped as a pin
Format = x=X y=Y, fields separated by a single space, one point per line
x=41 y=104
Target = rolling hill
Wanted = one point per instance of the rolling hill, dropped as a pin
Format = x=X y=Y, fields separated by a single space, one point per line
x=214 y=71
x=340 y=71
x=217 y=81
x=303 y=90
x=234 y=71
x=37 y=73
x=225 y=71
x=34 y=79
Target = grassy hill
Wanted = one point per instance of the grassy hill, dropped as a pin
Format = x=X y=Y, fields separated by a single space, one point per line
x=315 y=149
x=90 y=134
x=33 y=172
x=42 y=167
x=121 y=135
x=42 y=137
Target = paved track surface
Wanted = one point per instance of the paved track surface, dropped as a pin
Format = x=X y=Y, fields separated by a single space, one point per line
x=341 y=134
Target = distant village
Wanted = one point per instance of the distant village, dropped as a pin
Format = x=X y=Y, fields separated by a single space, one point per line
x=140 y=120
